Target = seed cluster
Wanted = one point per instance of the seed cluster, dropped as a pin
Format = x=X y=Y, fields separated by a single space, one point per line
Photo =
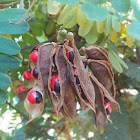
x=57 y=69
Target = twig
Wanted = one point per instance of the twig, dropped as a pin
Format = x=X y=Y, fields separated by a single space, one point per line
x=23 y=18
x=30 y=31
x=10 y=4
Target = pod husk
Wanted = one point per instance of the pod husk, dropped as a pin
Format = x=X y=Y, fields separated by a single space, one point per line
x=101 y=71
x=82 y=73
x=95 y=52
x=100 y=115
x=34 y=110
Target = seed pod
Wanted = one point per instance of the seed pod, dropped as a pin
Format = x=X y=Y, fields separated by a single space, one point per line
x=34 y=73
x=27 y=75
x=34 y=97
x=79 y=68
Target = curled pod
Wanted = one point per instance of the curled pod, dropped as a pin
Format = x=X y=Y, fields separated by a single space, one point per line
x=102 y=72
x=96 y=53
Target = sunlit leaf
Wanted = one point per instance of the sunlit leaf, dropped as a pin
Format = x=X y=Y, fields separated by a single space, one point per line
x=83 y=31
x=68 y=16
x=116 y=24
x=8 y=46
x=109 y=24
x=119 y=59
x=53 y=7
x=81 y=17
x=101 y=26
x=129 y=40
x=114 y=36
x=49 y=28
x=115 y=62
x=92 y=36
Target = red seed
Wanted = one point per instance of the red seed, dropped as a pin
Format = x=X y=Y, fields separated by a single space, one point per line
x=55 y=84
x=22 y=88
x=27 y=75
x=34 y=56
x=34 y=97
x=34 y=73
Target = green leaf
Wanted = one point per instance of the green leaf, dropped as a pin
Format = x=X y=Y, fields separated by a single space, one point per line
x=49 y=28
x=83 y=31
x=116 y=24
x=68 y=16
x=92 y=36
x=97 y=1
x=70 y=2
x=8 y=46
x=109 y=24
x=14 y=15
x=3 y=96
x=93 y=12
x=120 y=60
x=8 y=63
x=136 y=8
x=134 y=29
x=121 y=5
x=115 y=62
x=4 y=81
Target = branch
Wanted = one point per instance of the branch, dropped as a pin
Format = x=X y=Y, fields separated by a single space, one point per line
x=34 y=124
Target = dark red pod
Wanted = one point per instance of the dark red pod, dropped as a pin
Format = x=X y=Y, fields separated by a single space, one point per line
x=34 y=97
x=70 y=56
x=55 y=86
x=22 y=88
x=34 y=73
x=27 y=75
x=34 y=56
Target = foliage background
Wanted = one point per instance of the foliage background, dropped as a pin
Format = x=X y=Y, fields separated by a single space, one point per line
x=112 y=24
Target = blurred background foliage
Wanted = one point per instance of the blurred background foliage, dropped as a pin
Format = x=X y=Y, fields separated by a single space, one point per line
x=112 y=24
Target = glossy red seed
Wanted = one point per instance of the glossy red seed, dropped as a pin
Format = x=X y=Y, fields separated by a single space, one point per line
x=34 y=73
x=34 y=97
x=34 y=56
x=53 y=80
x=70 y=56
x=27 y=75
x=22 y=88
